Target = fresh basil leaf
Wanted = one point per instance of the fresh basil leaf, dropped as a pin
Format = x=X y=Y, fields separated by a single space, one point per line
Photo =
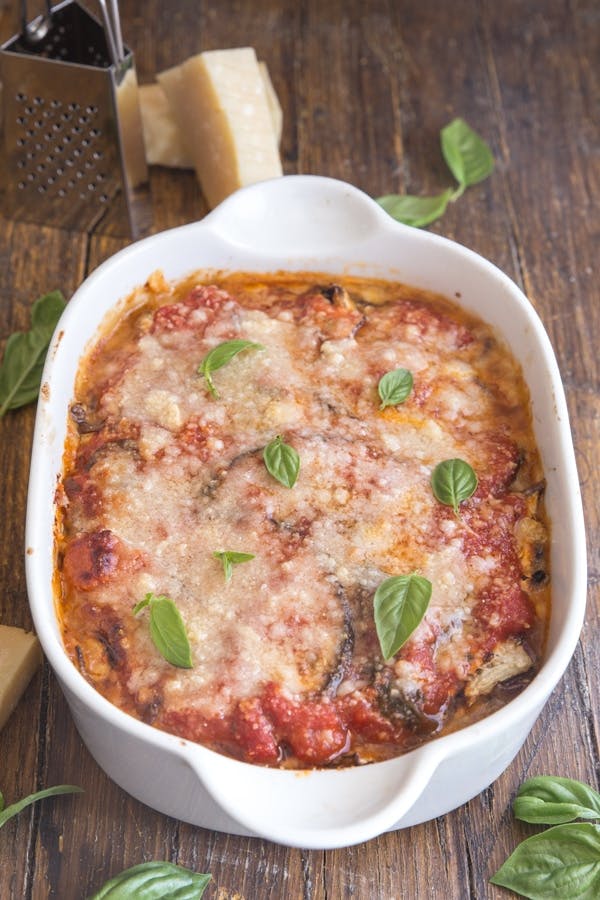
x=415 y=211
x=7 y=812
x=453 y=481
x=399 y=604
x=550 y=800
x=25 y=353
x=467 y=155
x=561 y=863
x=394 y=387
x=167 y=630
x=154 y=881
x=231 y=558
x=219 y=356
x=142 y=604
x=282 y=462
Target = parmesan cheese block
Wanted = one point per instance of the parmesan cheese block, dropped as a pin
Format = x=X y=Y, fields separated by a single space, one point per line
x=220 y=104
x=20 y=655
x=163 y=141
x=164 y=146
x=273 y=101
x=130 y=122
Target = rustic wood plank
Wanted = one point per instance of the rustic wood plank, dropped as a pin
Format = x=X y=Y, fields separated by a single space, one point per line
x=36 y=260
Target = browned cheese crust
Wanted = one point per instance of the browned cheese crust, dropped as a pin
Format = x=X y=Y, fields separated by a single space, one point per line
x=160 y=474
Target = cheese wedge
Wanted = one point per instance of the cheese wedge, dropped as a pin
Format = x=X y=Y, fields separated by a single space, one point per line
x=163 y=142
x=130 y=122
x=20 y=655
x=219 y=102
x=273 y=101
x=164 y=146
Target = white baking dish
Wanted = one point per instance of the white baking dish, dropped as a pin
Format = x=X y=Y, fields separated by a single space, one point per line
x=309 y=223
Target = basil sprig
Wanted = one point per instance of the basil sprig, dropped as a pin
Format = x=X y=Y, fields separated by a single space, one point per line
x=25 y=352
x=394 y=387
x=219 y=356
x=469 y=159
x=467 y=156
x=7 y=812
x=282 y=462
x=167 y=630
x=399 y=604
x=416 y=211
x=550 y=800
x=231 y=558
x=453 y=481
x=563 y=862
x=154 y=880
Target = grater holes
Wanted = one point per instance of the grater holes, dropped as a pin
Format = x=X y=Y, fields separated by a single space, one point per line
x=91 y=187
x=59 y=149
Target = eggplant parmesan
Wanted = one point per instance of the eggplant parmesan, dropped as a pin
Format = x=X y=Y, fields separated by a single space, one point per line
x=168 y=493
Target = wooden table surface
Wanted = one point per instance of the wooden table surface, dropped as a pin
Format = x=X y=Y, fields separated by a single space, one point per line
x=365 y=87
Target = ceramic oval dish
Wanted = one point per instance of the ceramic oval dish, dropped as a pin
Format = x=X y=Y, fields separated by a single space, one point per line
x=308 y=223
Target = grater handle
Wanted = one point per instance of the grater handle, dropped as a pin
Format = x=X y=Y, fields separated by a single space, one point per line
x=116 y=21
x=35 y=31
x=108 y=30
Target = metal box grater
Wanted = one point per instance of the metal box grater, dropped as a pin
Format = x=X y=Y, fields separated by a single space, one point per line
x=72 y=151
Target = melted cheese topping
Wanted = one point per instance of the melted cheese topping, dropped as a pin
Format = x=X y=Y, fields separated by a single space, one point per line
x=162 y=475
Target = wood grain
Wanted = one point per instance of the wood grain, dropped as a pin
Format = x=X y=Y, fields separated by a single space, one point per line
x=365 y=87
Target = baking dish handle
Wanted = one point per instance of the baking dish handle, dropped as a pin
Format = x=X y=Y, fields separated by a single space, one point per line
x=316 y=809
x=298 y=216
